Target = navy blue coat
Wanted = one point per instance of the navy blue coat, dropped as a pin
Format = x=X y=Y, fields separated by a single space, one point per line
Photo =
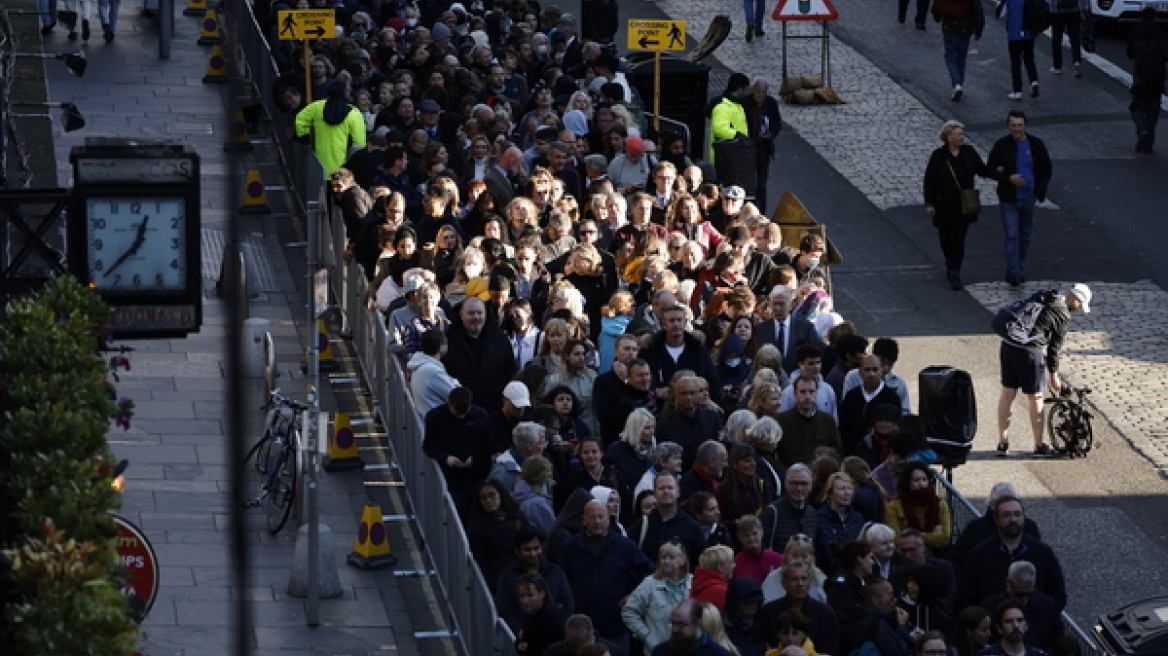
x=601 y=578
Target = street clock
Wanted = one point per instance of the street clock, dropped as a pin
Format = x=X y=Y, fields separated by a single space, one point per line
x=134 y=233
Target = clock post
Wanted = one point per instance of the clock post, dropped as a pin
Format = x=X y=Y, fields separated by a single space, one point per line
x=134 y=234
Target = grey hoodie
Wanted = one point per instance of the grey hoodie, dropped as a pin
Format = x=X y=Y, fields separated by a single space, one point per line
x=429 y=382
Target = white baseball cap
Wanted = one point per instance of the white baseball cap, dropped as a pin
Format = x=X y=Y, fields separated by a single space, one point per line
x=1082 y=292
x=516 y=392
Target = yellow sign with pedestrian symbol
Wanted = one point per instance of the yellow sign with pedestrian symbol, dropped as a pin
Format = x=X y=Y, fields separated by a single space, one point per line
x=656 y=35
x=307 y=24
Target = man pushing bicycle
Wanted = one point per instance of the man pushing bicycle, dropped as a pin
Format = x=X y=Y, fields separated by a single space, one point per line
x=1032 y=332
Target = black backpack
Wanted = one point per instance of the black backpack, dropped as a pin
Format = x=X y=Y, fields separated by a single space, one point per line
x=1016 y=321
x=1035 y=16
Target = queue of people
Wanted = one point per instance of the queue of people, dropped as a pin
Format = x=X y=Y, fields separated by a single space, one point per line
x=659 y=434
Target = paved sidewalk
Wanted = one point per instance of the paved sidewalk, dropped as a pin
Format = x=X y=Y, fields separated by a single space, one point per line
x=178 y=480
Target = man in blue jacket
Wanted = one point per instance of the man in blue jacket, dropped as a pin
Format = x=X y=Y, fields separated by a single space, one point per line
x=603 y=568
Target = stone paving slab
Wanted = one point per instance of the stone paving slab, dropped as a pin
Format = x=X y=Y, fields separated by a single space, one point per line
x=1120 y=345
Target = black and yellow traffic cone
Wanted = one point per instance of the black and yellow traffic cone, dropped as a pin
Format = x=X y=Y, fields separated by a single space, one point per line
x=255 y=198
x=239 y=139
x=195 y=8
x=210 y=34
x=216 y=67
x=342 y=449
x=371 y=551
x=324 y=345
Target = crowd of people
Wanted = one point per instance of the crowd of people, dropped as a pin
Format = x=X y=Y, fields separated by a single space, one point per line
x=659 y=434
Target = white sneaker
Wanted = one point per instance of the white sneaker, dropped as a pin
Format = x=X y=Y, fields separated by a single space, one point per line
x=1017 y=95
x=1056 y=71
x=957 y=93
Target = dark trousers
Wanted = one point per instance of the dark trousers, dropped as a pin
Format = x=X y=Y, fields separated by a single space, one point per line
x=951 y=230
x=1022 y=52
x=762 y=163
x=1145 y=113
x=922 y=11
x=1072 y=24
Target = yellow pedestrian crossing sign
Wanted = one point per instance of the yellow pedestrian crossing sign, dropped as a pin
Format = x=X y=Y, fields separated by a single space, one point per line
x=307 y=24
x=656 y=34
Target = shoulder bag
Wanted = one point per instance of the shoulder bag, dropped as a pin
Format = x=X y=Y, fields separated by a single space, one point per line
x=970 y=198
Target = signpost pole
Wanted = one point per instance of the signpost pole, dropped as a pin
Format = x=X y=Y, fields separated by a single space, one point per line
x=315 y=216
x=657 y=91
x=307 y=70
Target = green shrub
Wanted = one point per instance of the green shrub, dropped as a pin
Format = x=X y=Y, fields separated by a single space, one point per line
x=56 y=403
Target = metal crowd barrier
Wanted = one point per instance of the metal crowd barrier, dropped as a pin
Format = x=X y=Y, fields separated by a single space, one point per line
x=471 y=604
x=961 y=512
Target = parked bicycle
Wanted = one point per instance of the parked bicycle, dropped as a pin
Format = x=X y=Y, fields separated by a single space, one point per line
x=273 y=462
x=1069 y=421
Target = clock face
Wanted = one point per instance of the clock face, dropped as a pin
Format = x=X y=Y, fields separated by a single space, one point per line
x=137 y=244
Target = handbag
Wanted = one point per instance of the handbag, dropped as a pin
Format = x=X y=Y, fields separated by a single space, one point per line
x=970 y=198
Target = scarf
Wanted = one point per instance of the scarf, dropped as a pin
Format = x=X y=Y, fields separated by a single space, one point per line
x=911 y=502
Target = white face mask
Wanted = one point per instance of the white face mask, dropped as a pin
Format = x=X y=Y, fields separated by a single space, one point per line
x=812 y=262
x=733 y=362
x=541 y=50
x=473 y=270
x=412 y=22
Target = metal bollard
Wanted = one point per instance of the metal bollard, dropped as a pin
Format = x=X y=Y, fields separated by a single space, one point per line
x=253 y=347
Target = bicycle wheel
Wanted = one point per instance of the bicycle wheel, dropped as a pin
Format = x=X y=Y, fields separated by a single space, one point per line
x=281 y=490
x=1086 y=433
x=1060 y=427
x=255 y=470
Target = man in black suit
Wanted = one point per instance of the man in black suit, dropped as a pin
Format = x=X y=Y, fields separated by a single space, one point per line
x=784 y=331
x=500 y=176
x=762 y=115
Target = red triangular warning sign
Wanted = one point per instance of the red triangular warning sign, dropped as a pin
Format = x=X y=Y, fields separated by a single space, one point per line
x=821 y=10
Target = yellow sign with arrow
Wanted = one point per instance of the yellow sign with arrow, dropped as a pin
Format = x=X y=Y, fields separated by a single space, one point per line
x=307 y=24
x=656 y=34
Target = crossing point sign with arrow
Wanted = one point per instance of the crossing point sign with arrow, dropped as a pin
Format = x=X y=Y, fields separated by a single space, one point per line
x=307 y=24
x=656 y=35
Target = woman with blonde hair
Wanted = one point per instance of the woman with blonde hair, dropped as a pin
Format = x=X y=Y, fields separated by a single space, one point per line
x=469 y=266
x=838 y=521
x=630 y=455
x=552 y=346
x=769 y=357
x=800 y=548
x=765 y=399
x=585 y=270
x=949 y=178
x=614 y=319
x=521 y=213
x=582 y=101
x=713 y=627
x=712 y=576
x=646 y=612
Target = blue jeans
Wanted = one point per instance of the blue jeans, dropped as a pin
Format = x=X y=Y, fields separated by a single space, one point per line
x=1017 y=223
x=48 y=9
x=956 y=48
x=755 y=11
x=107 y=11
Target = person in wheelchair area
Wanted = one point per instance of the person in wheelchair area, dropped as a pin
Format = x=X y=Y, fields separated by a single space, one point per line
x=1033 y=367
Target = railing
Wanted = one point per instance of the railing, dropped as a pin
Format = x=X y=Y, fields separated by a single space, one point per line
x=961 y=512
x=480 y=628
x=472 y=607
x=682 y=128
